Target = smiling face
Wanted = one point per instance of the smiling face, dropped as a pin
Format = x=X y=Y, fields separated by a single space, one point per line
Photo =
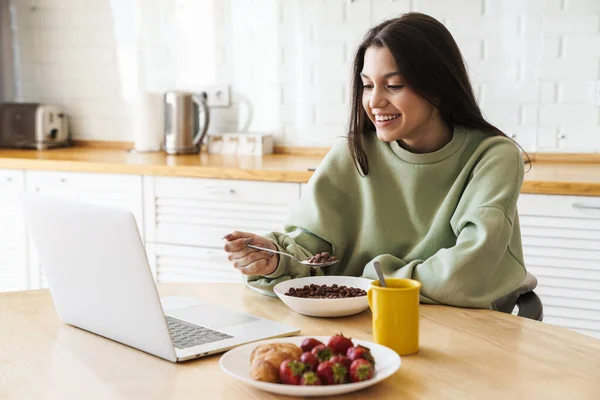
x=398 y=113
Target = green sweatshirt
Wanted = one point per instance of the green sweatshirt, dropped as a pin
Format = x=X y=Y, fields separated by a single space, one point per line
x=447 y=219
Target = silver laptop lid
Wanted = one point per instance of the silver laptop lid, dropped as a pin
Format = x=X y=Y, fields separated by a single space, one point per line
x=97 y=271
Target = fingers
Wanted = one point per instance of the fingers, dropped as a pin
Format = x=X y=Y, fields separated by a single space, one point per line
x=250 y=258
x=247 y=260
x=234 y=245
x=237 y=240
x=234 y=255
x=259 y=267
x=238 y=235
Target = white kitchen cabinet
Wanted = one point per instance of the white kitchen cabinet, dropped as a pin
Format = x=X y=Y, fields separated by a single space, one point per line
x=199 y=212
x=561 y=244
x=112 y=190
x=13 y=239
x=171 y=263
x=303 y=188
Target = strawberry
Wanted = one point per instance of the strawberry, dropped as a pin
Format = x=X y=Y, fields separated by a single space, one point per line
x=322 y=352
x=361 y=370
x=342 y=360
x=359 y=351
x=332 y=373
x=290 y=372
x=310 y=360
x=310 y=378
x=340 y=344
x=310 y=343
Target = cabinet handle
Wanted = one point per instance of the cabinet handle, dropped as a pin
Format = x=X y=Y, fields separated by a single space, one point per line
x=585 y=207
x=63 y=180
x=218 y=190
x=9 y=179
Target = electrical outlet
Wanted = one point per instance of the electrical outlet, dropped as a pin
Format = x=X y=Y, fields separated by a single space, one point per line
x=216 y=95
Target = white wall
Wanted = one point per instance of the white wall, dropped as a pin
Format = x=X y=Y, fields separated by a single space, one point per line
x=535 y=64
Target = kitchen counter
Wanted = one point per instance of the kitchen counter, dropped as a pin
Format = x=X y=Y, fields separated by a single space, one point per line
x=545 y=177
x=276 y=168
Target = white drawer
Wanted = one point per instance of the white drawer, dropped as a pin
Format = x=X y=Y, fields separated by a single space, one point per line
x=199 y=212
x=107 y=183
x=584 y=207
x=171 y=263
x=112 y=190
x=225 y=190
x=10 y=177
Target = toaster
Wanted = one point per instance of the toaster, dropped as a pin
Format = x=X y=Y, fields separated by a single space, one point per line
x=33 y=126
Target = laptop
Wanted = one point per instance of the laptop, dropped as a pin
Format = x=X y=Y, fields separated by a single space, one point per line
x=100 y=281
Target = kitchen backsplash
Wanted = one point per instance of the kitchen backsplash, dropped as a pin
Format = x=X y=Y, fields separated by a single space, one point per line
x=535 y=64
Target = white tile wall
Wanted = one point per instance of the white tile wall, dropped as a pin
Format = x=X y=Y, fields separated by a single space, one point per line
x=535 y=64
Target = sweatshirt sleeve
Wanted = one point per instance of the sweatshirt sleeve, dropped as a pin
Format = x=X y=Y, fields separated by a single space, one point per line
x=300 y=244
x=318 y=208
x=486 y=261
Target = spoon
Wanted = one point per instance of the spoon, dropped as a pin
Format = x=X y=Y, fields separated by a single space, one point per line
x=379 y=273
x=312 y=265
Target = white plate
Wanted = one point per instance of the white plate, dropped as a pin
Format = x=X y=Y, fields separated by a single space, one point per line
x=325 y=307
x=236 y=363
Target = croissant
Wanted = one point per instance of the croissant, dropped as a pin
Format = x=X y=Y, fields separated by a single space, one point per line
x=266 y=359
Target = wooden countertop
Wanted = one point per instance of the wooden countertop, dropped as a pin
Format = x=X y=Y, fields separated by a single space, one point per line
x=545 y=177
x=277 y=167
x=463 y=354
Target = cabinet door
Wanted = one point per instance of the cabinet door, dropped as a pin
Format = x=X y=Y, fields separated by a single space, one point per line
x=171 y=263
x=303 y=188
x=112 y=190
x=13 y=242
x=561 y=244
x=199 y=212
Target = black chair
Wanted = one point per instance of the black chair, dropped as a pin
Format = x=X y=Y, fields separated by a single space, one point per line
x=529 y=304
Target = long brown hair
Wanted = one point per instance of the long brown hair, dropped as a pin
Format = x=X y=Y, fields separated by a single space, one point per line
x=430 y=62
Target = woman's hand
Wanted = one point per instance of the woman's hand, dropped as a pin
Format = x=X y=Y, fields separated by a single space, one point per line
x=247 y=260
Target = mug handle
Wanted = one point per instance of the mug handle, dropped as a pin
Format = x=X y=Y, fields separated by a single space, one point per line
x=203 y=108
x=370 y=298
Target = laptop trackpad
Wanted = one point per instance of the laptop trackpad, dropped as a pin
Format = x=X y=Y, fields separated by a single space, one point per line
x=211 y=316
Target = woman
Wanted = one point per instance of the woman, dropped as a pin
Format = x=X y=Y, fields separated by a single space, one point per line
x=423 y=183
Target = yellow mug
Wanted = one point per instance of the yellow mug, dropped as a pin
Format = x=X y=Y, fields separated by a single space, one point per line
x=395 y=311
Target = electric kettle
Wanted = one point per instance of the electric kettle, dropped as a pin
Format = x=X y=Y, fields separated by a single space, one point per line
x=184 y=130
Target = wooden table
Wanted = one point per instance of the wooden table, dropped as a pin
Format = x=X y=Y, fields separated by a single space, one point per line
x=465 y=354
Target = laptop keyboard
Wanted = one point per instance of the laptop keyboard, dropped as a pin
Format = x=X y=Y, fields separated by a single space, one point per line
x=185 y=334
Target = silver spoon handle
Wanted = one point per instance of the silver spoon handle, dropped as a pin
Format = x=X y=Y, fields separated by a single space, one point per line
x=379 y=273
x=269 y=250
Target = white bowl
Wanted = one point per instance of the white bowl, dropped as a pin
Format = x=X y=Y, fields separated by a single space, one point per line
x=325 y=307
